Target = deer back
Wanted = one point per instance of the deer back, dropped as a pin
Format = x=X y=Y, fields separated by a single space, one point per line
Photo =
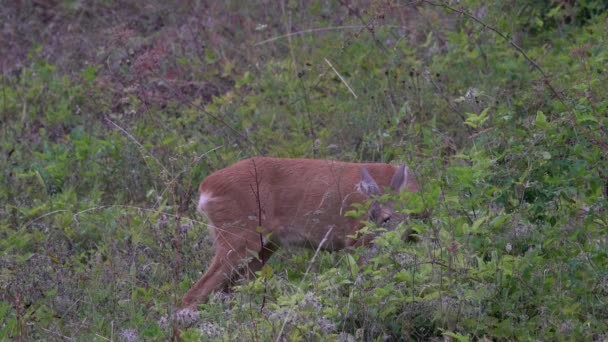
x=296 y=201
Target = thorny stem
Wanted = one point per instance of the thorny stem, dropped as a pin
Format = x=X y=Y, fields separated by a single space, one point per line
x=256 y=193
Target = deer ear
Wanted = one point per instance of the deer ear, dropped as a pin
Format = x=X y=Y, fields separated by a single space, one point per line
x=400 y=178
x=368 y=185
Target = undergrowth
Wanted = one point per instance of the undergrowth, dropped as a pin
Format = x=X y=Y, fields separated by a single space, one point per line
x=499 y=109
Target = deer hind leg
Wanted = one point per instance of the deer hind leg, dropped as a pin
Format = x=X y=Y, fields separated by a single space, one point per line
x=230 y=250
x=214 y=279
x=247 y=272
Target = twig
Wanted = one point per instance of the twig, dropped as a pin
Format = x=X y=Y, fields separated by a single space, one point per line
x=475 y=135
x=369 y=26
x=306 y=273
x=535 y=65
x=103 y=207
x=510 y=42
x=321 y=29
x=216 y=118
x=318 y=249
x=142 y=148
x=256 y=193
x=67 y=338
x=341 y=78
x=44 y=215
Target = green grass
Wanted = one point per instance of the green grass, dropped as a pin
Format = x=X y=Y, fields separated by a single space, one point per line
x=107 y=131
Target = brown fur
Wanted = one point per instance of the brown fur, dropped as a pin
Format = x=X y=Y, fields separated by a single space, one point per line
x=301 y=201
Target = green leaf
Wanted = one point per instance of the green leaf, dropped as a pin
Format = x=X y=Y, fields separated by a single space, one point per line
x=90 y=73
x=352 y=264
x=478 y=223
x=498 y=221
x=457 y=336
x=267 y=271
x=402 y=276
x=133 y=270
x=477 y=120
x=541 y=119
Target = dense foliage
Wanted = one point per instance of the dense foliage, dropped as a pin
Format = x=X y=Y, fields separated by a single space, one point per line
x=113 y=111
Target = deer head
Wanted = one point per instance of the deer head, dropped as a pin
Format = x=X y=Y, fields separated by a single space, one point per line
x=261 y=203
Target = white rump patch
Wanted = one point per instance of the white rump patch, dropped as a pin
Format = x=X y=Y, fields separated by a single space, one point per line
x=203 y=200
x=406 y=180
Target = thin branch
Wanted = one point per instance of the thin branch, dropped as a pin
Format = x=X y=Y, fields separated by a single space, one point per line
x=314 y=257
x=535 y=65
x=509 y=41
x=502 y=35
x=475 y=135
x=370 y=26
x=341 y=78
x=216 y=118
x=101 y=207
x=256 y=193
x=287 y=317
x=44 y=215
x=299 y=33
x=141 y=147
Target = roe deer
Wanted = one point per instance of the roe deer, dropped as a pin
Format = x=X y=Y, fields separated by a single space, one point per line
x=258 y=204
